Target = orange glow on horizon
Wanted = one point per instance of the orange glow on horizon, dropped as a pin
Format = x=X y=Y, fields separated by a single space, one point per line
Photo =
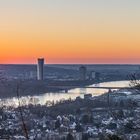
x=71 y=32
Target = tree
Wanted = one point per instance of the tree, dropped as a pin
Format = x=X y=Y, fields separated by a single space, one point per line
x=20 y=109
x=57 y=124
x=86 y=119
x=79 y=128
x=134 y=82
x=120 y=114
x=122 y=104
x=112 y=126
x=129 y=127
x=85 y=136
x=113 y=137
x=70 y=137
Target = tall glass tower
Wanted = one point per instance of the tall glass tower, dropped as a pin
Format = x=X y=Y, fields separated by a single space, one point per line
x=40 y=68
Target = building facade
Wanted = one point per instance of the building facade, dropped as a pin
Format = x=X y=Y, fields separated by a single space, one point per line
x=40 y=68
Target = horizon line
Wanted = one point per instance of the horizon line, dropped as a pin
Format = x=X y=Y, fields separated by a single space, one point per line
x=71 y=63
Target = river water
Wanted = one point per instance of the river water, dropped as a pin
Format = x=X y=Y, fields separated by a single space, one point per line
x=42 y=99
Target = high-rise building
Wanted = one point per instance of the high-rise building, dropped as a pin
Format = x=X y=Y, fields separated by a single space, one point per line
x=83 y=73
x=94 y=76
x=40 y=68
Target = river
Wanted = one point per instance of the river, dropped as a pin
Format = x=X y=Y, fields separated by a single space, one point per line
x=42 y=99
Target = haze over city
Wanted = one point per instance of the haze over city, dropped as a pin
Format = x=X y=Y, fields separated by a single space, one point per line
x=70 y=31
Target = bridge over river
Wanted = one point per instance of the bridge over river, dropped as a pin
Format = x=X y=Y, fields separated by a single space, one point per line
x=88 y=87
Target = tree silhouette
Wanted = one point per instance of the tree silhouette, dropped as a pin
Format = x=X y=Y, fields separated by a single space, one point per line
x=70 y=137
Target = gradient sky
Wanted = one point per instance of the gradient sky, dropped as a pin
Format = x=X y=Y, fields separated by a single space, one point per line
x=70 y=31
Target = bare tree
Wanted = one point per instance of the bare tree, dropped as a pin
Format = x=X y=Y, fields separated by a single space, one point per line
x=18 y=88
x=134 y=82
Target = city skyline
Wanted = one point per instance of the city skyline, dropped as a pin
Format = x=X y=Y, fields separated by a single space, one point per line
x=70 y=31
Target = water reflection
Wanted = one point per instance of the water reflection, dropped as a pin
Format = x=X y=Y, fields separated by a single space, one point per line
x=42 y=99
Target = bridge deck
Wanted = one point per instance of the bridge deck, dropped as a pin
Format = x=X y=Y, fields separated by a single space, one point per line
x=88 y=87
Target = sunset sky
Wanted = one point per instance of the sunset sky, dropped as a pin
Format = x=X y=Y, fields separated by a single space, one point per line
x=70 y=31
